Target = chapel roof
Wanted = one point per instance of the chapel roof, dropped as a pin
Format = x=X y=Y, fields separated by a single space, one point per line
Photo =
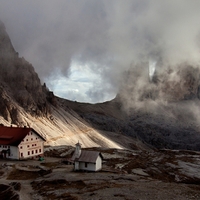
x=87 y=156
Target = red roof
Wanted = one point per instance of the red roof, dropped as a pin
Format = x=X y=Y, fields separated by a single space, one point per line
x=14 y=135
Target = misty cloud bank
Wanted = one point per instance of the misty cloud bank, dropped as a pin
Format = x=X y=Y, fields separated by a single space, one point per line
x=110 y=37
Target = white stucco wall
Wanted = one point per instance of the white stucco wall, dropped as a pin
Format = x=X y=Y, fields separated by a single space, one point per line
x=14 y=152
x=76 y=166
x=90 y=166
x=32 y=145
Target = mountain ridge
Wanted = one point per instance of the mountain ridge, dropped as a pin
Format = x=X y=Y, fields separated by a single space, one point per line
x=145 y=124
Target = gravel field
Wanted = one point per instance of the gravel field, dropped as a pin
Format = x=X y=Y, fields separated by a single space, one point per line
x=125 y=175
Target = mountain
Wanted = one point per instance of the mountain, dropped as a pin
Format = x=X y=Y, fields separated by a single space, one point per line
x=25 y=102
x=161 y=114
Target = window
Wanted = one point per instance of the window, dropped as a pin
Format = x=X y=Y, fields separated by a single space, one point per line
x=27 y=145
x=40 y=150
x=36 y=151
x=21 y=147
x=28 y=152
x=32 y=152
x=26 y=139
x=31 y=138
x=36 y=138
x=85 y=165
x=21 y=154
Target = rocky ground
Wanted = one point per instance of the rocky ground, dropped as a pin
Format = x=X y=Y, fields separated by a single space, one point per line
x=126 y=174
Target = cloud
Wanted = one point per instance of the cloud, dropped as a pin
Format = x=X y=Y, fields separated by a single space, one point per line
x=82 y=85
x=108 y=36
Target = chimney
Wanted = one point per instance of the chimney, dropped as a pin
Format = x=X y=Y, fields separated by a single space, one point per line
x=78 y=150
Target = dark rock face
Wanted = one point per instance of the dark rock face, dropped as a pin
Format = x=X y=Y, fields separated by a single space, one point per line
x=7 y=192
x=184 y=84
x=169 y=84
x=16 y=185
x=51 y=98
x=6 y=48
x=20 y=83
x=171 y=126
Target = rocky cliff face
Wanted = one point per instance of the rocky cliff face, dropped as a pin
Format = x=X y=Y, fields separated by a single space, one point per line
x=182 y=82
x=19 y=82
x=162 y=126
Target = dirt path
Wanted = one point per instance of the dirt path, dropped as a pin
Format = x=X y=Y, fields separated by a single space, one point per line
x=26 y=191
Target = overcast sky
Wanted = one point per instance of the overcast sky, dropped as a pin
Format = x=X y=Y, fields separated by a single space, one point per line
x=80 y=48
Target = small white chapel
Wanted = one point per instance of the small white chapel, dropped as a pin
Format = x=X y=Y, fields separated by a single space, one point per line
x=86 y=160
